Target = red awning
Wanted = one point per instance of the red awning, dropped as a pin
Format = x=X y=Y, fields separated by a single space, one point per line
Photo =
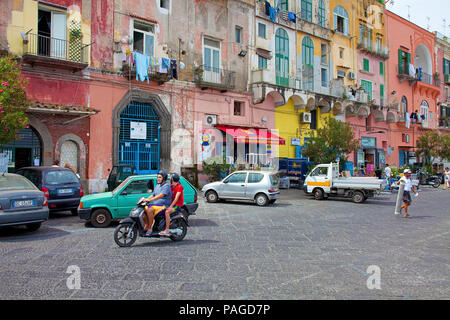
x=252 y=135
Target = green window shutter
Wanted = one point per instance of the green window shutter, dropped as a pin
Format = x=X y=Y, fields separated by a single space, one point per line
x=381 y=67
x=366 y=66
x=408 y=58
x=381 y=91
x=400 y=62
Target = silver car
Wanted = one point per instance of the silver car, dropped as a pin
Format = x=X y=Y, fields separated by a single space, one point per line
x=258 y=186
x=21 y=202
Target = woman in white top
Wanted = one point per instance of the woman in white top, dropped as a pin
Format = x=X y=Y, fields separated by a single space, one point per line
x=447 y=178
x=406 y=179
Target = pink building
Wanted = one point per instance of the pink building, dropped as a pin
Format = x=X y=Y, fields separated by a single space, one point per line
x=413 y=87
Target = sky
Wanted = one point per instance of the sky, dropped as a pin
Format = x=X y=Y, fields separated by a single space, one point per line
x=421 y=10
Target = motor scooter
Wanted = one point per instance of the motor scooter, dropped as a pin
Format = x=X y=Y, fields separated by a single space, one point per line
x=130 y=228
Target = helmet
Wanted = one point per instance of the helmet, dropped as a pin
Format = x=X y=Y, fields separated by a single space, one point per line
x=163 y=174
x=175 y=177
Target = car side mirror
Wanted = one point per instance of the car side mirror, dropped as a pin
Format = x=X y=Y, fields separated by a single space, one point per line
x=124 y=193
x=225 y=181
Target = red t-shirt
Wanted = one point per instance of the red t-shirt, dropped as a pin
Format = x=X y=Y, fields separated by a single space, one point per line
x=175 y=190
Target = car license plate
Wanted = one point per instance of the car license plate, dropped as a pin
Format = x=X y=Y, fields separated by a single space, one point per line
x=65 y=191
x=23 y=203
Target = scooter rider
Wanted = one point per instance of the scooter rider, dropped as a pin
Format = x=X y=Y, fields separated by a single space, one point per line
x=161 y=198
x=177 y=201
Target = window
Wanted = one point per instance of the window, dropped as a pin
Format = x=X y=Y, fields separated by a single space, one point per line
x=238 y=108
x=341 y=53
x=323 y=53
x=211 y=60
x=284 y=5
x=262 y=30
x=321 y=171
x=306 y=10
x=237 y=178
x=381 y=67
x=340 y=20
x=262 y=63
x=403 y=105
x=424 y=111
x=255 y=177
x=143 y=38
x=446 y=66
x=140 y=187
x=381 y=91
x=404 y=59
x=282 y=57
x=369 y=39
x=323 y=74
x=367 y=86
x=164 y=4
x=60 y=177
x=238 y=34
x=313 y=124
x=321 y=13
x=52 y=33
x=378 y=44
x=308 y=63
x=366 y=65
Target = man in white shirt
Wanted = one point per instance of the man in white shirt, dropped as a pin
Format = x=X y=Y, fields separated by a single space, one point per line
x=387 y=175
x=406 y=179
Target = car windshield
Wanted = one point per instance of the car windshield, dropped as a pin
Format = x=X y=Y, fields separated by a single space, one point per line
x=15 y=183
x=120 y=186
x=60 y=177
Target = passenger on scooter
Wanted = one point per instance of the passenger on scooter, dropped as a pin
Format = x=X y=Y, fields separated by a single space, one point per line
x=161 y=199
x=177 y=201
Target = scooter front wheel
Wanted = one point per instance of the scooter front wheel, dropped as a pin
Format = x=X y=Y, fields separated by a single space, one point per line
x=125 y=234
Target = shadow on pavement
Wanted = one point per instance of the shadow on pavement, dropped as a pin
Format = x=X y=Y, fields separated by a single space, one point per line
x=20 y=234
x=169 y=243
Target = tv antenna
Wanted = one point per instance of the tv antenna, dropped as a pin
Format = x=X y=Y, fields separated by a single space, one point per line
x=409 y=16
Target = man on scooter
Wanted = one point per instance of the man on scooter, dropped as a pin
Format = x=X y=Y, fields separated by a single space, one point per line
x=161 y=198
x=177 y=201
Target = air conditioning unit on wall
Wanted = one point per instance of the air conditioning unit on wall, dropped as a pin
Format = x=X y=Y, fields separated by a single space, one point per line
x=305 y=117
x=211 y=119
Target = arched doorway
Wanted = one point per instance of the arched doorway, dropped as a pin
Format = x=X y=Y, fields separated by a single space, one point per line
x=424 y=113
x=69 y=155
x=139 y=138
x=25 y=151
x=423 y=63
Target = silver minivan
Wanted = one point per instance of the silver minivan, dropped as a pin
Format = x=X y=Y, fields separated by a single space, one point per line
x=258 y=186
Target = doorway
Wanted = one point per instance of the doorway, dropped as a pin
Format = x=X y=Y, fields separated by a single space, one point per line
x=23 y=157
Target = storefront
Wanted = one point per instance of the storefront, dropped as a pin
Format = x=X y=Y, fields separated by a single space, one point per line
x=369 y=156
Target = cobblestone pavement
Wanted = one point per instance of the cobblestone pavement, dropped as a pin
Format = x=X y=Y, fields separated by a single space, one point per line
x=297 y=248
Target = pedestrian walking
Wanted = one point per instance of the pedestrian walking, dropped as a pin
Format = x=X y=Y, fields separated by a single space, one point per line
x=387 y=175
x=447 y=178
x=406 y=179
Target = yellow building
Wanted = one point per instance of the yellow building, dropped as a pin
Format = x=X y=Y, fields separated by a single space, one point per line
x=343 y=40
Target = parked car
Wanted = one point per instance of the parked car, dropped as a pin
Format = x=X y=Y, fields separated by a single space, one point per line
x=258 y=186
x=118 y=174
x=21 y=202
x=60 y=185
x=102 y=208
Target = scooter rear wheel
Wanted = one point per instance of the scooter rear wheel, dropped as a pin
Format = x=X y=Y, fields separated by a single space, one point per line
x=125 y=235
x=180 y=224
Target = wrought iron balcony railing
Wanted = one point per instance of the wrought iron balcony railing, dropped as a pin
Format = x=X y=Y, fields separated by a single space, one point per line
x=215 y=78
x=66 y=50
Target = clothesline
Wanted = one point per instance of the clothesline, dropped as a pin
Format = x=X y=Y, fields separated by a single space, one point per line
x=144 y=64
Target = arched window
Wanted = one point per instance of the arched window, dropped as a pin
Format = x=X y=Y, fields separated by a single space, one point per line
x=424 y=113
x=340 y=20
x=306 y=10
x=321 y=14
x=308 y=62
x=404 y=105
x=284 y=5
x=282 y=57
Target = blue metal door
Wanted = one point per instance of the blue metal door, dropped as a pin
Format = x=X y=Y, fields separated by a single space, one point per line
x=139 y=140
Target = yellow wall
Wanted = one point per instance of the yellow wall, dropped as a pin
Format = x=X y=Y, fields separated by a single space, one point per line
x=349 y=62
x=287 y=121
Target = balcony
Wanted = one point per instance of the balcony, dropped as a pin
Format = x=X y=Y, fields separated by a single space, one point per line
x=52 y=52
x=366 y=45
x=129 y=71
x=444 y=122
x=208 y=77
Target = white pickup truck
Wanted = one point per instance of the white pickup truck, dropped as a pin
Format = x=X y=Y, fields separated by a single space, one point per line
x=324 y=181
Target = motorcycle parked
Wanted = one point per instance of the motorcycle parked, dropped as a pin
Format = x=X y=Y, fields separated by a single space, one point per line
x=128 y=229
x=428 y=179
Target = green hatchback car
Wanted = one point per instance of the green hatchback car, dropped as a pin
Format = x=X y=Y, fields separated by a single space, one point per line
x=101 y=208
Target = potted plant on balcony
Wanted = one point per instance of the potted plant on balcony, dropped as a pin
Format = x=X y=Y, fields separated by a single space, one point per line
x=198 y=73
x=436 y=75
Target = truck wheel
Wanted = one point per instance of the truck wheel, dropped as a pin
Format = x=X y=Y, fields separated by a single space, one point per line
x=318 y=194
x=358 y=197
x=101 y=218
